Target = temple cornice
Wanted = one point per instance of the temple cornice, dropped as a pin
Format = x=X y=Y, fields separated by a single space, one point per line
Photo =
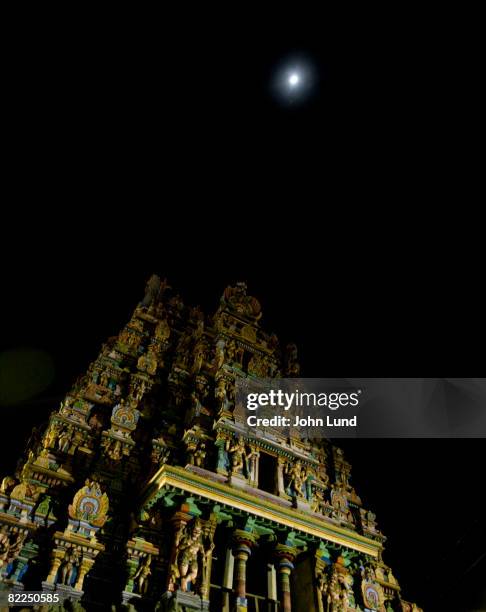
x=189 y=482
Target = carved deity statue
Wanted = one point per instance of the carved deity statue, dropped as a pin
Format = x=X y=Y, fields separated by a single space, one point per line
x=191 y=555
x=200 y=351
x=319 y=503
x=64 y=439
x=237 y=301
x=162 y=331
x=72 y=561
x=323 y=589
x=230 y=351
x=237 y=452
x=51 y=436
x=25 y=490
x=223 y=463
x=200 y=455
x=148 y=362
x=341 y=510
x=8 y=483
x=220 y=354
x=113 y=449
x=296 y=479
x=10 y=546
x=183 y=348
x=335 y=589
x=142 y=574
x=220 y=392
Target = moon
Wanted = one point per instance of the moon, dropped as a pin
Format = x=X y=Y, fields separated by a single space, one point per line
x=294 y=79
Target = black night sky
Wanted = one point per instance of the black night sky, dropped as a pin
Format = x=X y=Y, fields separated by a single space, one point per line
x=129 y=154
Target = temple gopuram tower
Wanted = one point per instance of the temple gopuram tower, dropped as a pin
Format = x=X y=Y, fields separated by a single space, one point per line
x=145 y=492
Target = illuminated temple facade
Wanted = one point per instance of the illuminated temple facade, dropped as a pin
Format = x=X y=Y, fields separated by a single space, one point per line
x=145 y=492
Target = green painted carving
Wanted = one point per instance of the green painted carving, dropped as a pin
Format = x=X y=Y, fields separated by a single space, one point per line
x=294 y=541
x=192 y=508
x=167 y=500
x=261 y=530
x=324 y=554
x=221 y=516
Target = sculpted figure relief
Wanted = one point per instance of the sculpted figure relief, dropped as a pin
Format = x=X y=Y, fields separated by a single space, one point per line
x=162 y=331
x=242 y=461
x=319 y=502
x=220 y=392
x=142 y=574
x=25 y=490
x=230 y=351
x=296 y=479
x=324 y=591
x=341 y=588
x=335 y=589
x=64 y=439
x=200 y=352
x=238 y=455
x=8 y=483
x=51 y=436
x=223 y=463
x=200 y=455
x=113 y=448
x=220 y=354
x=237 y=300
x=72 y=561
x=191 y=555
x=148 y=362
x=10 y=546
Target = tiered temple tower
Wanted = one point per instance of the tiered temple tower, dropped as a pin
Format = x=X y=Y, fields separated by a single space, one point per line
x=145 y=491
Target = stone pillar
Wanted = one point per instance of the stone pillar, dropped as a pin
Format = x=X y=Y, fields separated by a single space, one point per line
x=209 y=529
x=285 y=567
x=132 y=567
x=285 y=557
x=254 y=466
x=243 y=542
x=241 y=552
x=280 y=478
x=272 y=587
x=228 y=579
x=20 y=568
x=57 y=556
x=86 y=565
